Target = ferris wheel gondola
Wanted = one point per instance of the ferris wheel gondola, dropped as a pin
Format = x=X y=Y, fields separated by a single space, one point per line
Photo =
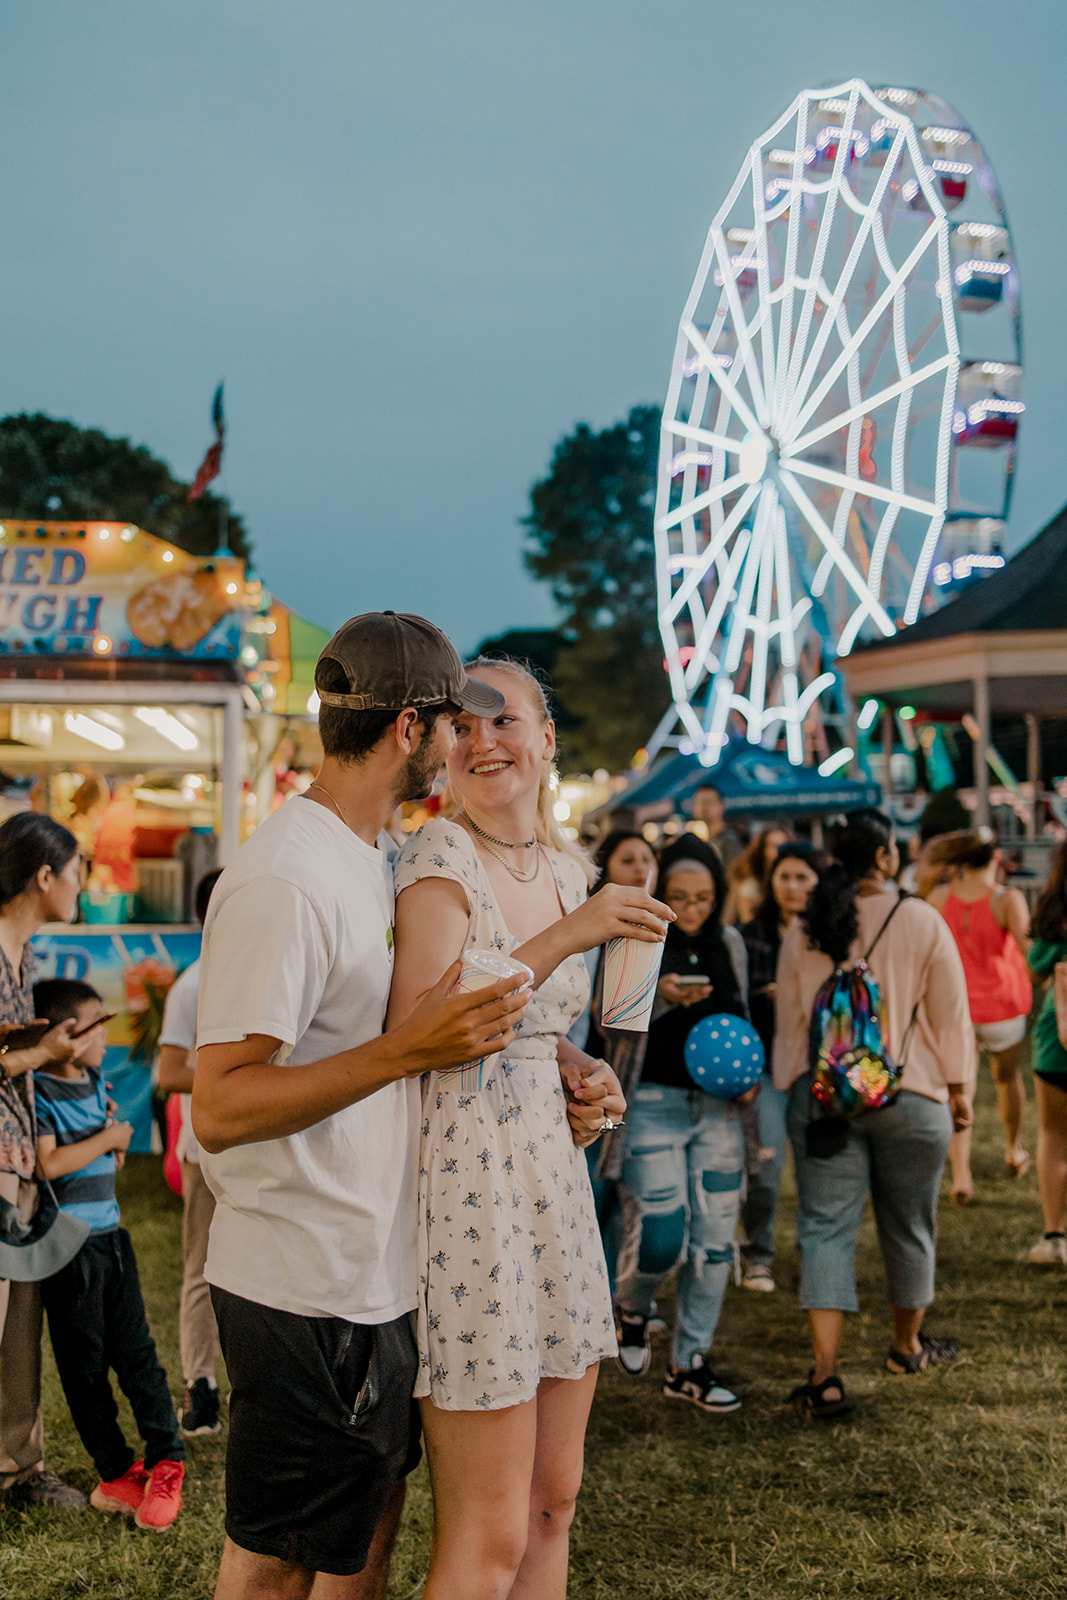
x=829 y=429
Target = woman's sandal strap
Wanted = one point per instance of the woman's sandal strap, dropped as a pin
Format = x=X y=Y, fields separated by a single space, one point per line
x=813 y=1397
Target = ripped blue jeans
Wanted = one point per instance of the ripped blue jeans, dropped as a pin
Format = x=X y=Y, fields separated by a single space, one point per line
x=681 y=1194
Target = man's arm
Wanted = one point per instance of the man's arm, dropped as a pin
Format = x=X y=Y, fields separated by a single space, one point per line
x=176 y=1068
x=239 y=1097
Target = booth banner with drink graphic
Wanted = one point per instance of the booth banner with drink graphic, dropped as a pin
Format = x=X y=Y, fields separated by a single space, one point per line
x=132 y=969
x=104 y=589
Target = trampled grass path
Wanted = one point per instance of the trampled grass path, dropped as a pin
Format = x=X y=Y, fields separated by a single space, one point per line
x=946 y=1486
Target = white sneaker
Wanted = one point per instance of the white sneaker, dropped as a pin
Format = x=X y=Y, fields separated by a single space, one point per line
x=1051 y=1251
x=635 y=1353
x=756 y=1276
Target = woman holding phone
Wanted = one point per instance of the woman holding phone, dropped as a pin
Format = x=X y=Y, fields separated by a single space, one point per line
x=40 y=875
x=681 y=1172
x=515 y=1314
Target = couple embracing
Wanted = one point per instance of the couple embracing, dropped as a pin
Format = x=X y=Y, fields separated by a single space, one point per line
x=352 y=1196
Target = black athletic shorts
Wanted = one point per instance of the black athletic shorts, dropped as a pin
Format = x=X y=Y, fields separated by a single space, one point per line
x=322 y=1425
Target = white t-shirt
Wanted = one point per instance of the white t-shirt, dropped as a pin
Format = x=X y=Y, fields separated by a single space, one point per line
x=298 y=944
x=179 y=1029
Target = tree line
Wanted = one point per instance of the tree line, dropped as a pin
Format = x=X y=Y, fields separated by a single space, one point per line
x=588 y=535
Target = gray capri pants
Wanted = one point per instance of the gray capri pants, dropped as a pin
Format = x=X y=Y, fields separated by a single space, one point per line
x=896 y=1155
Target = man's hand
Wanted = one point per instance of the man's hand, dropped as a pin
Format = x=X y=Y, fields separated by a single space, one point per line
x=241 y=1094
x=448 y=1029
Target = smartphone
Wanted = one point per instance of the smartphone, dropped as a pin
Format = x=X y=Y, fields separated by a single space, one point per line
x=26 y=1037
x=80 y=1033
x=691 y=980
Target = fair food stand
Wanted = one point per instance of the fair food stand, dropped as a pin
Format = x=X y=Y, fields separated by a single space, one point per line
x=137 y=692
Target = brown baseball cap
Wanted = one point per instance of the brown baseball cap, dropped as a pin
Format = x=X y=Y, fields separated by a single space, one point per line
x=392 y=660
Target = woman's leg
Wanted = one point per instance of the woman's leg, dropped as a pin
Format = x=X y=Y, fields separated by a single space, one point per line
x=714 y=1158
x=959 y=1155
x=21 y=1425
x=608 y=1214
x=761 y=1202
x=654 y=1195
x=826 y=1329
x=1011 y=1101
x=481 y=1470
x=1052 y=1152
x=831 y=1194
x=908 y=1142
x=562 y=1413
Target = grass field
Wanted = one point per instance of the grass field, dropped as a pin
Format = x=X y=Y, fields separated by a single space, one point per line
x=950 y=1484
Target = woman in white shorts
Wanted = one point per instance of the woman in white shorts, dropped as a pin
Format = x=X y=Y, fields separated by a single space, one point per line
x=991 y=927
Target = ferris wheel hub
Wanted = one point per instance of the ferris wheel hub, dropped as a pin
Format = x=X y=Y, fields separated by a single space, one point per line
x=755 y=448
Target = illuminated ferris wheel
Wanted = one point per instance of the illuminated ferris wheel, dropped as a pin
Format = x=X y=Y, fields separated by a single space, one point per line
x=842 y=413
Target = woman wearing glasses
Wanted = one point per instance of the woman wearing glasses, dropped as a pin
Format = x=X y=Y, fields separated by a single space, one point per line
x=682 y=1169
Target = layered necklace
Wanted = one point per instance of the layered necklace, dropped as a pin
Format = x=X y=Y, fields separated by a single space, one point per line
x=520 y=874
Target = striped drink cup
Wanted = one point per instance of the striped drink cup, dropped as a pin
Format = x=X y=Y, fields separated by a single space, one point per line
x=631 y=972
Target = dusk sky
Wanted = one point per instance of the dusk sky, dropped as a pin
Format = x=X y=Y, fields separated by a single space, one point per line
x=420 y=241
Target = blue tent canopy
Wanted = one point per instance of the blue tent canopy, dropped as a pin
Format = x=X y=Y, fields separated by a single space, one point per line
x=753 y=783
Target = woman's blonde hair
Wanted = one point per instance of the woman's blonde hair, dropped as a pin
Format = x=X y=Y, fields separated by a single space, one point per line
x=547 y=829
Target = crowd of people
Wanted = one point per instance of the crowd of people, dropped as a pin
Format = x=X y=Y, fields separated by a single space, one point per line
x=392 y=1255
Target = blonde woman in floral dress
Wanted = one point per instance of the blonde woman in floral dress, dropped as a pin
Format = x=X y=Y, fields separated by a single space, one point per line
x=516 y=1312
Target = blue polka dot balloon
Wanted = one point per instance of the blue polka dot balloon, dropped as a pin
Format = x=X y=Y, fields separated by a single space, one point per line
x=724 y=1055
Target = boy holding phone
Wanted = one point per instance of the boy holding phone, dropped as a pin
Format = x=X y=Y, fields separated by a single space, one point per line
x=96 y=1315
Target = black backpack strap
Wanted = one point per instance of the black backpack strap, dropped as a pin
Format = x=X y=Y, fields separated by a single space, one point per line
x=899 y=902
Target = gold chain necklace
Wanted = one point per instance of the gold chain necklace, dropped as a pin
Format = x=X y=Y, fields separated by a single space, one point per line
x=323 y=789
x=488 y=841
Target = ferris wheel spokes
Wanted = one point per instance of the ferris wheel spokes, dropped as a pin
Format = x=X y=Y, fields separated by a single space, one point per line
x=837 y=554
x=807 y=456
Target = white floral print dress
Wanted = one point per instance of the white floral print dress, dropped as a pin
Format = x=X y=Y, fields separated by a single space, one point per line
x=513 y=1283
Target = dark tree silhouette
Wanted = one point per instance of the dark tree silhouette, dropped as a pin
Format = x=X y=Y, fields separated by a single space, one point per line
x=57 y=472
x=590 y=537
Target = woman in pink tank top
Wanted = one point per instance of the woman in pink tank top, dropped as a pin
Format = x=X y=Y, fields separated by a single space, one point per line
x=991 y=927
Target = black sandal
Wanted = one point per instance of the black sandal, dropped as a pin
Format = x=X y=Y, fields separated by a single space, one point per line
x=932 y=1353
x=811 y=1397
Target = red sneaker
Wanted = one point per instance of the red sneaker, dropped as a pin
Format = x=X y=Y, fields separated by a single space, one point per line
x=163 y=1496
x=122 y=1494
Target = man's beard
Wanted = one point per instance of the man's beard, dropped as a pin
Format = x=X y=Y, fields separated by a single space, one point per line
x=417 y=778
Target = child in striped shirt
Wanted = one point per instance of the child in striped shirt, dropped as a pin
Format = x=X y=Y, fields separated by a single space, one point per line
x=96 y=1316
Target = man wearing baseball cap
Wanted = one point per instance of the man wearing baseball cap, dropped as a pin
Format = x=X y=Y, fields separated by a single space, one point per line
x=308 y=1118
